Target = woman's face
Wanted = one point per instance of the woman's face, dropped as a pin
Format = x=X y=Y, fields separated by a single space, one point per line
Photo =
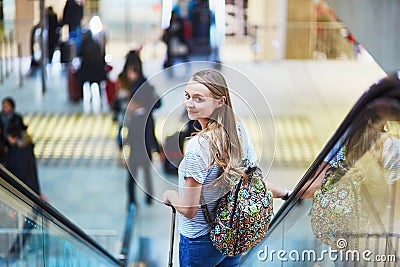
x=199 y=102
x=6 y=107
x=131 y=74
x=12 y=140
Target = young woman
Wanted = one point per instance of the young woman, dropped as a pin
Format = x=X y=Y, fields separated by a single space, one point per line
x=212 y=157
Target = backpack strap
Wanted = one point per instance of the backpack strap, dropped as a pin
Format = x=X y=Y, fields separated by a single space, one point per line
x=209 y=218
x=206 y=213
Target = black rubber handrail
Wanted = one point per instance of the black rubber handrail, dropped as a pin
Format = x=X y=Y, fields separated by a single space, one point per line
x=25 y=194
x=386 y=88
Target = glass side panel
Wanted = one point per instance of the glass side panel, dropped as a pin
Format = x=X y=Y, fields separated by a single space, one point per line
x=62 y=249
x=285 y=245
x=21 y=239
x=348 y=213
x=30 y=237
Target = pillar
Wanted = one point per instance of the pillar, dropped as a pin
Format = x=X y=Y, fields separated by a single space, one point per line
x=301 y=32
x=270 y=17
x=26 y=15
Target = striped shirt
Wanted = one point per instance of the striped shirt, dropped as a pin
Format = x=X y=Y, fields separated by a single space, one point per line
x=196 y=164
x=391 y=159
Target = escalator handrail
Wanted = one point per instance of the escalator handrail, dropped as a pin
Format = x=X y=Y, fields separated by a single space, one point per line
x=23 y=192
x=388 y=87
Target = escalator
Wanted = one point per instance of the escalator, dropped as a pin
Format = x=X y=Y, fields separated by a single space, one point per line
x=33 y=233
x=359 y=225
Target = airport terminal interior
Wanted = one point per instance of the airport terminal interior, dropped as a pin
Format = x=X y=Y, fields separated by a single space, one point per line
x=296 y=71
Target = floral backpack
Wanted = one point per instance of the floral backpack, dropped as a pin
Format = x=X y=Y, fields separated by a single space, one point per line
x=242 y=215
x=337 y=208
x=350 y=200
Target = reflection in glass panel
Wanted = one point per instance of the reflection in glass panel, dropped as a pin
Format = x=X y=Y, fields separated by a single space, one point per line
x=29 y=238
x=354 y=209
x=348 y=213
x=291 y=243
x=20 y=233
x=62 y=249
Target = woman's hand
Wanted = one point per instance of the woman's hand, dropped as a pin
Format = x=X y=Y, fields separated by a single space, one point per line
x=168 y=195
x=187 y=204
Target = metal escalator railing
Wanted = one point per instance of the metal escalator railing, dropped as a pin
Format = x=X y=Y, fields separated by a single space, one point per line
x=33 y=233
x=368 y=236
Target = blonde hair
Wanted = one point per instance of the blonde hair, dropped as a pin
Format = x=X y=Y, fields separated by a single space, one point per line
x=221 y=128
x=364 y=138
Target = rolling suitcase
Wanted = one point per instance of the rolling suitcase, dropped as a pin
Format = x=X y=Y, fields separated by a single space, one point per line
x=171 y=154
x=74 y=85
x=111 y=90
x=172 y=237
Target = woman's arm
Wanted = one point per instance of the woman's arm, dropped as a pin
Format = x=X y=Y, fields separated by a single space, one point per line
x=278 y=191
x=314 y=183
x=188 y=204
x=308 y=189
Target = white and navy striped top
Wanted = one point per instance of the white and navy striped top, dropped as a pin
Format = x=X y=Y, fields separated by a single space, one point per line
x=391 y=159
x=196 y=164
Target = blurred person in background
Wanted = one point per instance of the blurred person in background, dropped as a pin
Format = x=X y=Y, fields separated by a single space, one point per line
x=144 y=101
x=72 y=16
x=9 y=116
x=21 y=161
x=20 y=158
x=52 y=32
x=93 y=65
x=174 y=38
x=92 y=69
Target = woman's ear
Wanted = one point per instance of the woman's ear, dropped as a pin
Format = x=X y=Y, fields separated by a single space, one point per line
x=221 y=101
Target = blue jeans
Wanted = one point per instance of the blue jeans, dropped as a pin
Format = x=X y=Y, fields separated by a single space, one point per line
x=199 y=251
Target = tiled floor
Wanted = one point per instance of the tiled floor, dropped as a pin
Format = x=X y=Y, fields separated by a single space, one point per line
x=88 y=140
x=79 y=162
